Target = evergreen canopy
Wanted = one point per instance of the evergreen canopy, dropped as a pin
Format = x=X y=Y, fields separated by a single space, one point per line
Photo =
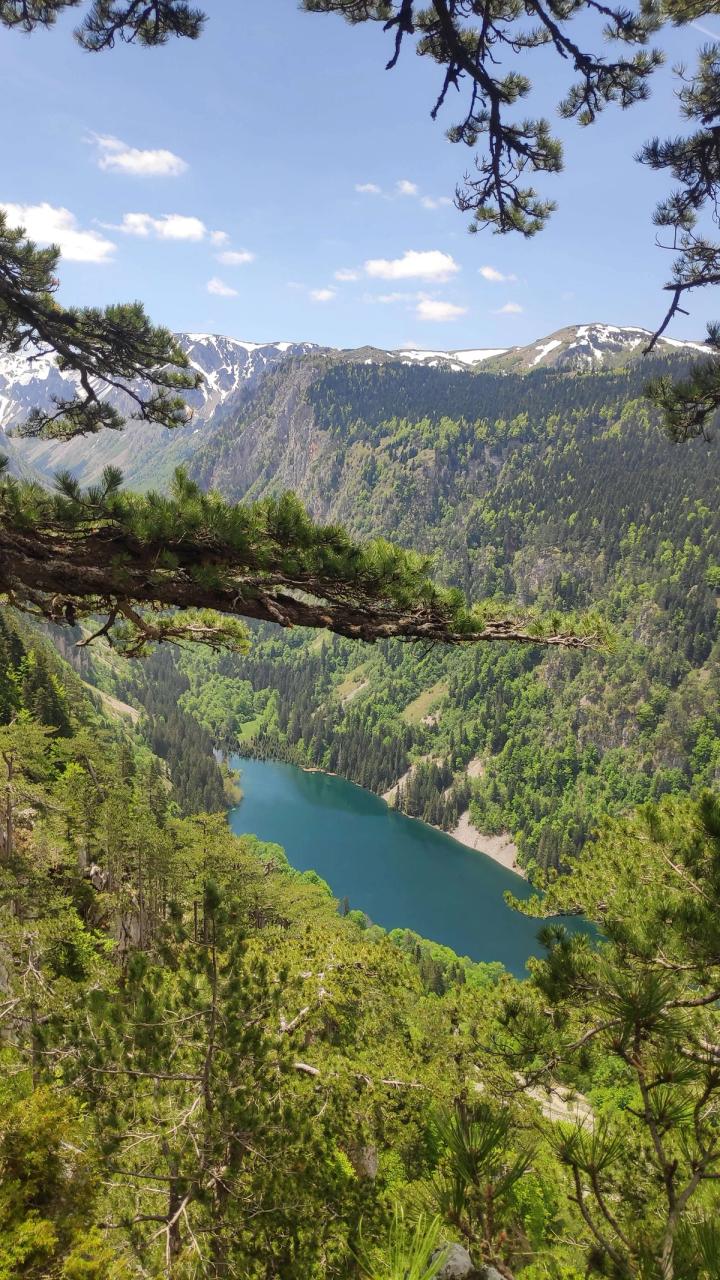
x=208 y=1070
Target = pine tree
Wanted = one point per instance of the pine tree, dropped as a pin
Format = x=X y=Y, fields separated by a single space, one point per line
x=643 y=1007
x=198 y=1107
x=198 y=562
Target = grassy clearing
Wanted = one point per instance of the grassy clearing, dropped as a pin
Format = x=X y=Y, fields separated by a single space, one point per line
x=352 y=682
x=249 y=729
x=116 y=708
x=318 y=643
x=425 y=702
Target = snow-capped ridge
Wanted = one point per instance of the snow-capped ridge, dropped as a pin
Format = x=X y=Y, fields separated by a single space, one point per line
x=229 y=367
x=573 y=348
x=233 y=366
x=30 y=380
x=584 y=347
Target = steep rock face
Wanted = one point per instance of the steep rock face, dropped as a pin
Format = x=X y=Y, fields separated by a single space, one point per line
x=29 y=381
x=18 y=465
x=272 y=444
x=278 y=441
x=146 y=454
x=229 y=365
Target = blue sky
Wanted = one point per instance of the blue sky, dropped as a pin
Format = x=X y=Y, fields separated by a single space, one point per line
x=218 y=182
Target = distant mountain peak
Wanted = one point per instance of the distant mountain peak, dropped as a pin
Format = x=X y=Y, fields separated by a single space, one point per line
x=229 y=366
x=30 y=380
x=577 y=346
x=591 y=346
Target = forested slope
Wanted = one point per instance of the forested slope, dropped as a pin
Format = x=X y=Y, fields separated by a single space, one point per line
x=555 y=489
x=207 y=1070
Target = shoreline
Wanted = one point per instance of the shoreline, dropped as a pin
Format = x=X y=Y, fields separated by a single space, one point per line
x=500 y=848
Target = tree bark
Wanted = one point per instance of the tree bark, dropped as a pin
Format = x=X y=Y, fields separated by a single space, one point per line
x=110 y=572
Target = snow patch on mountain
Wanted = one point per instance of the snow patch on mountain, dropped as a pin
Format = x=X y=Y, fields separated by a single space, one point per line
x=233 y=367
x=478 y=356
x=545 y=348
x=584 y=347
x=31 y=380
x=454 y=361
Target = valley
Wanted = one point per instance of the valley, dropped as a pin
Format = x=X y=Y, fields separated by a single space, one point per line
x=359 y=645
x=523 y=475
x=312 y=944
x=404 y=967
x=396 y=871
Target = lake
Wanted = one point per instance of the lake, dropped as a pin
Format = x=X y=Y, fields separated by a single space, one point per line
x=402 y=873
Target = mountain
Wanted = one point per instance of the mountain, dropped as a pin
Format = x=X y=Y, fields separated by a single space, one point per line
x=230 y=368
x=537 y=473
x=583 y=347
x=308 y=426
x=32 y=381
x=233 y=370
x=575 y=348
x=552 y=486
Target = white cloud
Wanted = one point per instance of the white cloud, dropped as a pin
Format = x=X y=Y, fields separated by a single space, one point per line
x=386 y=298
x=510 y=309
x=404 y=187
x=322 y=295
x=235 y=257
x=219 y=237
x=169 y=226
x=50 y=225
x=220 y=289
x=433 y=309
x=432 y=264
x=118 y=157
x=346 y=275
x=495 y=276
x=435 y=202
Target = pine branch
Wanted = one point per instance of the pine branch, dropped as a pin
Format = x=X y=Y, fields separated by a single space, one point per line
x=188 y=567
x=114 y=349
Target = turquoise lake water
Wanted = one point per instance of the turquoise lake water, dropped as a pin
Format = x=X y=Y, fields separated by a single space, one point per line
x=402 y=873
